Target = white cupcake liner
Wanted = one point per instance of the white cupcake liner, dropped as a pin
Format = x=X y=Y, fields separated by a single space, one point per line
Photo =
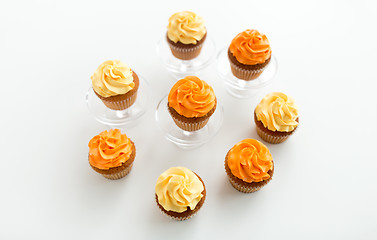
x=121 y=105
x=118 y=175
x=246 y=74
x=185 y=53
x=271 y=139
x=188 y=126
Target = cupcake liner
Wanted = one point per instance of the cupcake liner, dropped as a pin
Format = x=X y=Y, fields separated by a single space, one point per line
x=118 y=175
x=187 y=53
x=244 y=73
x=190 y=126
x=270 y=138
x=179 y=218
x=122 y=103
x=243 y=189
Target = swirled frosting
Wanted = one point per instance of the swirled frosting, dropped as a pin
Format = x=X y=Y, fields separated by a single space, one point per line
x=178 y=188
x=277 y=112
x=109 y=149
x=186 y=27
x=250 y=160
x=112 y=78
x=192 y=97
x=250 y=47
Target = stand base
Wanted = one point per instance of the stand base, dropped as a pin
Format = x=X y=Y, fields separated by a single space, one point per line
x=242 y=88
x=185 y=139
x=119 y=119
x=181 y=68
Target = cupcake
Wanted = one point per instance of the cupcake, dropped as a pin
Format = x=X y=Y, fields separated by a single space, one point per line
x=191 y=102
x=276 y=117
x=180 y=193
x=115 y=84
x=249 y=53
x=111 y=154
x=186 y=35
x=249 y=165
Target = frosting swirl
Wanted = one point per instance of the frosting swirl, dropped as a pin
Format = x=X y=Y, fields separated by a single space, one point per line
x=250 y=160
x=192 y=97
x=112 y=78
x=186 y=27
x=178 y=188
x=277 y=112
x=250 y=47
x=109 y=149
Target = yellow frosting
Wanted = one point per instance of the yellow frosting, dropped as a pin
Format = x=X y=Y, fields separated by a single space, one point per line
x=277 y=112
x=112 y=78
x=186 y=27
x=178 y=188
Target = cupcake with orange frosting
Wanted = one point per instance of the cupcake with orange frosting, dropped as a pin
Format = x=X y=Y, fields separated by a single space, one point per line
x=276 y=117
x=111 y=154
x=249 y=165
x=191 y=102
x=186 y=34
x=115 y=84
x=249 y=53
x=180 y=193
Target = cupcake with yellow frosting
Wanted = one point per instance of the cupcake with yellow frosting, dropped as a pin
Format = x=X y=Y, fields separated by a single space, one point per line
x=111 y=154
x=276 y=117
x=186 y=34
x=249 y=53
x=115 y=84
x=249 y=165
x=191 y=102
x=180 y=193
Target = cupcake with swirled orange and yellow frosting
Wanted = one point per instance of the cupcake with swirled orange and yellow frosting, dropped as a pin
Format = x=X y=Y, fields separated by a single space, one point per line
x=115 y=84
x=180 y=193
x=276 y=117
x=249 y=53
x=249 y=165
x=111 y=154
x=186 y=34
x=191 y=102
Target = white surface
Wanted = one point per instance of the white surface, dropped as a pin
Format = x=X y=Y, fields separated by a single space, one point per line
x=325 y=180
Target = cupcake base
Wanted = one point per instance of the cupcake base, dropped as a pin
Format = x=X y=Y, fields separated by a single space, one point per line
x=243 y=186
x=246 y=72
x=122 y=101
x=271 y=136
x=185 y=51
x=190 y=124
x=186 y=214
x=118 y=172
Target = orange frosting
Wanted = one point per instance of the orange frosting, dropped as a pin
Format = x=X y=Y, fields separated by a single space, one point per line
x=250 y=160
x=192 y=97
x=109 y=149
x=250 y=47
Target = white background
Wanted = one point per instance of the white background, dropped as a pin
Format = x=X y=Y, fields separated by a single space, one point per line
x=324 y=186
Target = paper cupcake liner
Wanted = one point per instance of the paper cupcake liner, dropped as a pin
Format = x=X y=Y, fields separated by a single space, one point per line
x=121 y=104
x=190 y=126
x=118 y=175
x=270 y=138
x=185 y=53
x=179 y=218
x=243 y=189
x=244 y=73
